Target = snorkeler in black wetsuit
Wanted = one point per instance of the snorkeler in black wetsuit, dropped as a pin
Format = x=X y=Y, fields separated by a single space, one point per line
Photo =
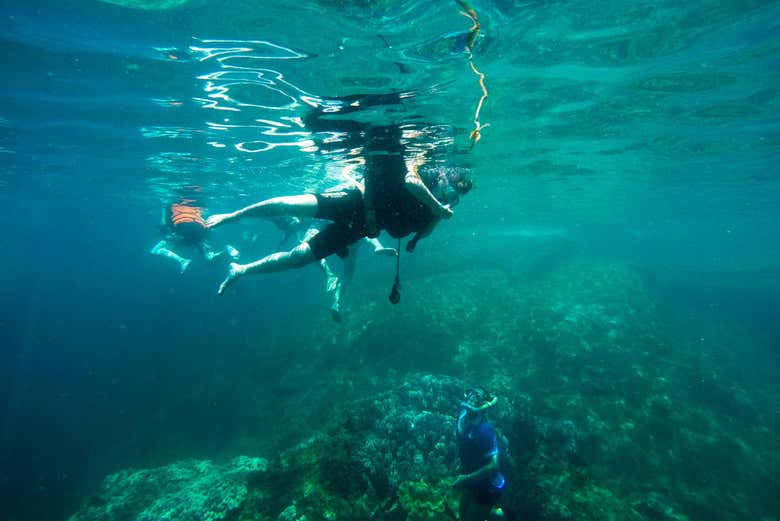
x=395 y=196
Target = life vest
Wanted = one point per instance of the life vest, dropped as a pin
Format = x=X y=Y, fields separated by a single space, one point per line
x=397 y=210
x=181 y=214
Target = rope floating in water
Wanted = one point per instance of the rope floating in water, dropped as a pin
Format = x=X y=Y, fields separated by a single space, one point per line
x=473 y=31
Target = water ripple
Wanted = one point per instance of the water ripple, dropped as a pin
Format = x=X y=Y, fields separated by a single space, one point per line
x=222 y=51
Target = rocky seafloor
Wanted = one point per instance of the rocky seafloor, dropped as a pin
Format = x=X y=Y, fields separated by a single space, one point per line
x=606 y=411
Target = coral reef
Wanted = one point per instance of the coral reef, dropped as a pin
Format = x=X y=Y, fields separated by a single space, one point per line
x=381 y=457
x=391 y=456
x=605 y=411
x=655 y=420
x=186 y=490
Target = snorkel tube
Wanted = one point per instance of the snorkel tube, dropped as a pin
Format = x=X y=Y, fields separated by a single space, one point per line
x=480 y=408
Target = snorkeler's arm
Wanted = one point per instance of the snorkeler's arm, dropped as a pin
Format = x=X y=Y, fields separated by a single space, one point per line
x=419 y=191
x=479 y=474
x=412 y=244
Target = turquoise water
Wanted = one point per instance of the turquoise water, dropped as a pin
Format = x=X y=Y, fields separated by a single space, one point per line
x=638 y=139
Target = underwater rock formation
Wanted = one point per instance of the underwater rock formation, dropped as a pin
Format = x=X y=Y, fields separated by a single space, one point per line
x=608 y=409
x=665 y=425
x=387 y=457
x=187 y=490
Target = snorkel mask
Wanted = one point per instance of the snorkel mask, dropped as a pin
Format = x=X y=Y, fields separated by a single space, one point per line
x=478 y=400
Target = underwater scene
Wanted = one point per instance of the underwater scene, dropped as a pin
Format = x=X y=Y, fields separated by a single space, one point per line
x=393 y=260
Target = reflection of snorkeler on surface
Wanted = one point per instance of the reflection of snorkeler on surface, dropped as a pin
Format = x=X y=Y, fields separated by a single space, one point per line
x=397 y=195
x=183 y=226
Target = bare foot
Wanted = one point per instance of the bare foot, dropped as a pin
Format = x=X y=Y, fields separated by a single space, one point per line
x=235 y=271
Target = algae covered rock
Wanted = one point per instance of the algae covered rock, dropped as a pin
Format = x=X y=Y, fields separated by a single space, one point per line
x=393 y=456
x=191 y=490
x=427 y=502
x=380 y=456
x=389 y=456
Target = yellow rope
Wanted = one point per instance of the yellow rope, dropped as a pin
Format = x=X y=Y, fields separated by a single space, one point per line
x=470 y=13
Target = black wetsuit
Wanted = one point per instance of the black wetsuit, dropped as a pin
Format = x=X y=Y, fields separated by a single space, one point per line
x=397 y=210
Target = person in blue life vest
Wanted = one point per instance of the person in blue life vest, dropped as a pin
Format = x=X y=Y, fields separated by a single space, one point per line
x=479 y=475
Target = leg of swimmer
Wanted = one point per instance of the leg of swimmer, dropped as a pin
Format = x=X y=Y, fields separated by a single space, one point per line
x=343 y=283
x=161 y=249
x=335 y=307
x=332 y=289
x=280 y=261
x=331 y=279
x=294 y=205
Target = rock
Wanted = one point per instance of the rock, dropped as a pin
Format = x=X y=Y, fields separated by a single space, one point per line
x=191 y=490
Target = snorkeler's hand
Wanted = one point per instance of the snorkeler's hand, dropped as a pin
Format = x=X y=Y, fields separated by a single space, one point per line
x=444 y=211
x=411 y=245
x=390 y=252
x=217 y=219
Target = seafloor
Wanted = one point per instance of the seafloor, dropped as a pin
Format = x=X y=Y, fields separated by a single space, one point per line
x=613 y=406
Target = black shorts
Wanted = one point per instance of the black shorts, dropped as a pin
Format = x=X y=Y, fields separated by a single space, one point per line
x=345 y=208
x=191 y=233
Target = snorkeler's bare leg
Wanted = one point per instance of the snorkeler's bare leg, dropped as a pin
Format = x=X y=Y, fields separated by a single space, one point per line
x=161 y=249
x=299 y=256
x=295 y=205
x=346 y=280
x=331 y=279
x=332 y=288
